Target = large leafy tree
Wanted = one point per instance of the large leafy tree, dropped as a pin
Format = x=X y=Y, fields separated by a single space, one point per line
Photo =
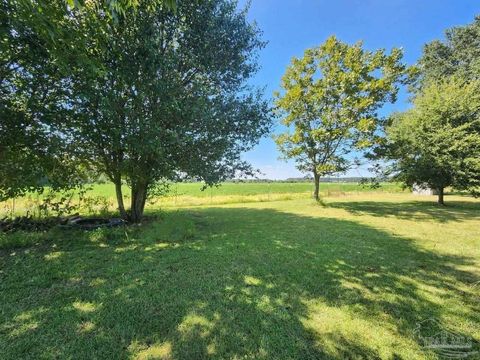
x=329 y=104
x=153 y=94
x=41 y=43
x=169 y=97
x=437 y=142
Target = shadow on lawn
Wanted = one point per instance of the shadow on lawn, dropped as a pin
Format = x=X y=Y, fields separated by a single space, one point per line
x=414 y=210
x=229 y=283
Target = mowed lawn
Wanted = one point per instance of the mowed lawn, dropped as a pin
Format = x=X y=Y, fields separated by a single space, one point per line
x=355 y=278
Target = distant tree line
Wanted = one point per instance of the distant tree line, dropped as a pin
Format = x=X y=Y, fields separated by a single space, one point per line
x=304 y=179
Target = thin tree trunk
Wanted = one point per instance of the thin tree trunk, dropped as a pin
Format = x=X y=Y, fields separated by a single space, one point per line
x=118 y=191
x=440 y=196
x=139 y=197
x=316 y=191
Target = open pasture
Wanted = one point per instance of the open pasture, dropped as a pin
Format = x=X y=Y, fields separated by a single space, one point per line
x=101 y=197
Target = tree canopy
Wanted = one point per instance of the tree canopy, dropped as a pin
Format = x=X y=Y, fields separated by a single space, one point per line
x=33 y=94
x=150 y=96
x=329 y=104
x=458 y=54
x=437 y=142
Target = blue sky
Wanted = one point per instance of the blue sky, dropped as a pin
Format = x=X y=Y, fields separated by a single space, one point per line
x=291 y=26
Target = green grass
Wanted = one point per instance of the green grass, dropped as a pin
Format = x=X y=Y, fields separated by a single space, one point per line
x=265 y=280
x=191 y=194
x=245 y=189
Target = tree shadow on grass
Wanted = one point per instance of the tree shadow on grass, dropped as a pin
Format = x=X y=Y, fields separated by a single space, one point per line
x=230 y=283
x=414 y=210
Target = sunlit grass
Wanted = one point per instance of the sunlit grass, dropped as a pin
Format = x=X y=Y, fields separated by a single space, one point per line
x=102 y=196
x=351 y=279
x=249 y=188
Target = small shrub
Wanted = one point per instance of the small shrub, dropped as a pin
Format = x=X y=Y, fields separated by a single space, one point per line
x=51 y=204
x=96 y=205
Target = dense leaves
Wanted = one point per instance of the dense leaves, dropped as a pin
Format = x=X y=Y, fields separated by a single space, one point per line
x=437 y=142
x=171 y=99
x=458 y=54
x=330 y=100
x=155 y=94
x=33 y=98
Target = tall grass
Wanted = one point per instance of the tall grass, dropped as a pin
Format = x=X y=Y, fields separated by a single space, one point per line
x=100 y=199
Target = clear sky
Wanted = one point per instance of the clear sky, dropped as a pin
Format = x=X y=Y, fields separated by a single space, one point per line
x=291 y=26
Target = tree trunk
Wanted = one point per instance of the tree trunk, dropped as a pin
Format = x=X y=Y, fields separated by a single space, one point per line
x=118 y=191
x=139 y=197
x=316 y=178
x=440 y=196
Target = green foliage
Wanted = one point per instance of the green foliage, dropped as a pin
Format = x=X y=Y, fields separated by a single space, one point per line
x=437 y=142
x=33 y=153
x=172 y=104
x=95 y=205
x=120 y=8
x=171 y=98
x=458 y=54
x=150 y=95
x=54 y=204
x=330 y=98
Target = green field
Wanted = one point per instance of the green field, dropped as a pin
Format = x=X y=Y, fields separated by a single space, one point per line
x=247 y=188
x=191 y=194
x=351 y=279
